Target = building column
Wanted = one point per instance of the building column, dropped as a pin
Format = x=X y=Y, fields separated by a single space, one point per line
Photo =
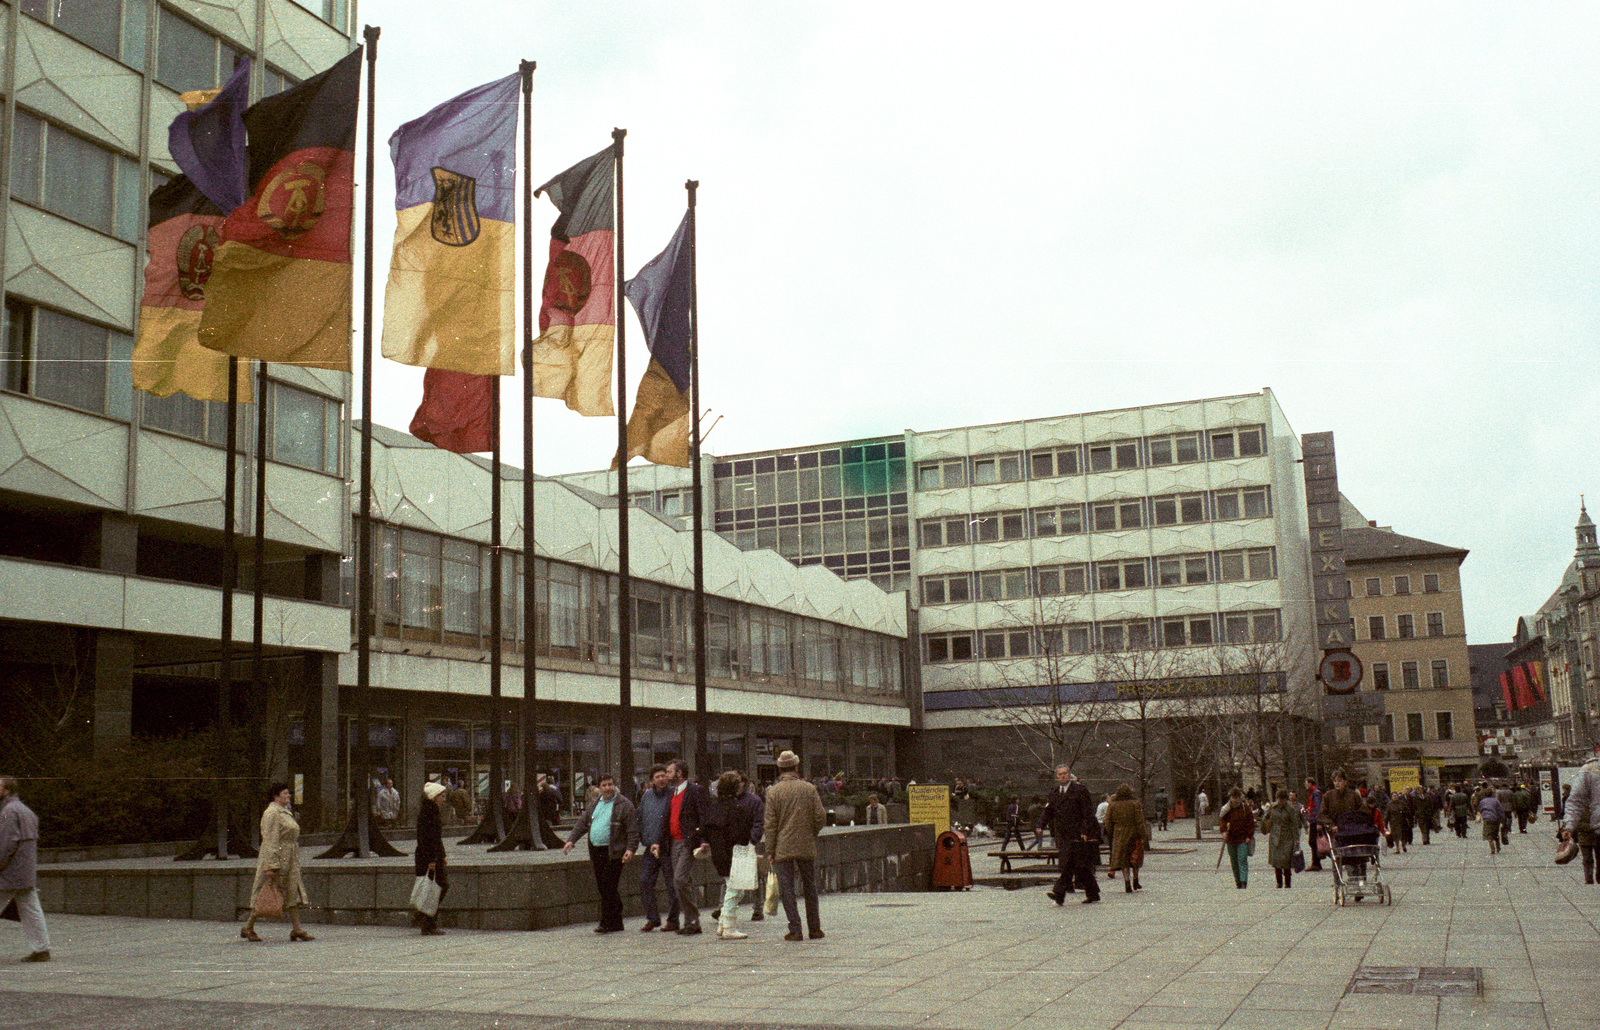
x=110 y=661
x=111 y=543
x=321 y=749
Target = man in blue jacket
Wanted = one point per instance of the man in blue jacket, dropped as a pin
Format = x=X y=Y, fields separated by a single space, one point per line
x=654 y=806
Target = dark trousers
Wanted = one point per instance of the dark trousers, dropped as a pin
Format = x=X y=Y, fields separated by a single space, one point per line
x=1587 y=851
x=1013 y=831
x=1426 y=826
x=650 y=867
x=1077 y=866
x=1460 y=822
x=1285 y=877
x=803 y=869
x=1522 y=822
x=1311 y=847
x=607 y=874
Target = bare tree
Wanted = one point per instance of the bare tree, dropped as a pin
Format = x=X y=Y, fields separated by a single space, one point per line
x=1271 y=700
x=1148 y=685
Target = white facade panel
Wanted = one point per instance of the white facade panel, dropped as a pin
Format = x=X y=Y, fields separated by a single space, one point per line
x=66 y=266
x=299 y=42
x=36 y=592
x=62 y=453
x=232 y=19
x=82 y=89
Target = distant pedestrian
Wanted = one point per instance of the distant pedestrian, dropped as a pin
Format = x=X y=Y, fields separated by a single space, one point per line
x=1162 y=804
x=1013 y=825
x=612 y=827
x=278 y=863
x=794 y=817
x=878 y=815
x=386 y=806
x=655 y=804
x=1313 y=821
x=428 y=860
x=1070 y=814
x=1460 y=810
x=1522 y=806
x=19 y=869
x=1282 y=822
x=1493 y=814
x=1202 y=804
x=735 y=820
x=1130 y=835
x=1238 y=824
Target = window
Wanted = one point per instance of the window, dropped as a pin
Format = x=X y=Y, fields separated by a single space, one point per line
x=1408 y=676
x=1444 y=726
x=188 y=57
x=60 y=358
x=1250 y=627
x=996 y=468
x=1374 y=586
x=1173 y=509
x=1115 y=454
x=1249 y=503
x=334 y=12
x=1375 y=629
x=948 y=647
x=1436 y=624
x=1182 y=570
x=1405 y=626
x=305 y=428
x=946 y=589
x=113 y=27
x=1063 y=520
x=1402 y=584
x=1174 y=450
x=1132 y=635
x=1124 y=575
x=1003 y=585
x=1060 y=461
x=1076 y=637
x=1380 y=675
x=274 y=82
x=1009 y=643
x=1000 y=525
x=1413 y=725
x=1255 y=563
x=1243 y=442
x=1441 y=673
x=1113 y=515
x=1178 y=632
x=69 y=176
x=199 y=420
x=945 y=532
x=941 y=475
x=1054 y=580
x=1430 y=583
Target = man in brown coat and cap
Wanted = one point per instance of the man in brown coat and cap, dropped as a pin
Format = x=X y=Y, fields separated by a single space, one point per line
x=794 y=818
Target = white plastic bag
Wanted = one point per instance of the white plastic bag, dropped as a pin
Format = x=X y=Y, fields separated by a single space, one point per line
x=742 y=872
x=425 y=895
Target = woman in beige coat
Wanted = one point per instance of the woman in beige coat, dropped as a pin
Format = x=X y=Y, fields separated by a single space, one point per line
x=1126 y=822
x=279 y=863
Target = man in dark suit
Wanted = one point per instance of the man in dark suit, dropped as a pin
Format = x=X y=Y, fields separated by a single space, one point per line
x=681 y=839
x=1070 y=814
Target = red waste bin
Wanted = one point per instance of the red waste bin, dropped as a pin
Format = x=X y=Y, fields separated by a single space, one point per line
x=952 y=865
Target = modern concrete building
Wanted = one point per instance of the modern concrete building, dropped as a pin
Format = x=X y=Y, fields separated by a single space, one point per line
x=1405 y=602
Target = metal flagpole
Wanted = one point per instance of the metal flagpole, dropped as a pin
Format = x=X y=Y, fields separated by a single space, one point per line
x=230 y=575
x=624 y=585
x=258 y=600
x=490 y=828
x=529 y=829
x=700 y=628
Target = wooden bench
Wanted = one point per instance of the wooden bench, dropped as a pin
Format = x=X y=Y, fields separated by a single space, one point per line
x=1042 y=853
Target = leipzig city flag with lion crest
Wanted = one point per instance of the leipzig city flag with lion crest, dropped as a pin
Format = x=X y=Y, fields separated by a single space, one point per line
x=280 y=284
x=448 y=304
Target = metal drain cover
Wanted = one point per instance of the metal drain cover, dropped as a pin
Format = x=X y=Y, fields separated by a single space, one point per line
x=1437 y=981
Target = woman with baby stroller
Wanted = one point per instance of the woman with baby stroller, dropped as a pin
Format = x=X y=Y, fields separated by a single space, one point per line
x=1354 y=834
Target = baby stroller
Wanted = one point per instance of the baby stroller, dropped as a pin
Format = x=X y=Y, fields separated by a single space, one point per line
x=1357 y=865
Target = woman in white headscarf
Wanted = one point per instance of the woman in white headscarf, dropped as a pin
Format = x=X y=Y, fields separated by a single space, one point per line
x=429 y=857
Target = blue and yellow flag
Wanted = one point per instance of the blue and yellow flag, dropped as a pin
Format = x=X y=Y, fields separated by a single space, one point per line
x=449 y=302
x=662 y=293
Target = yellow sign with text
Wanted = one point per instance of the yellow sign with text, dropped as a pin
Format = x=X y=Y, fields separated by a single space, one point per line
x=930 y=803
x=1402 y=777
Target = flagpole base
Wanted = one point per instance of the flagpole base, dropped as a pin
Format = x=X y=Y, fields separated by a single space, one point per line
x=349 y=842
x=523 y=836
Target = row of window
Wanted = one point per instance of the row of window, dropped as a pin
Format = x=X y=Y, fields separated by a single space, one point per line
x=1384 y=732
x=745 y=491
x=1106 y=456
x=1405 y=626
x=47 y=354
x=1401 y=585
x=1411 y=675
x=1089 y=637
x=1254 y=502
x=436 y=589
x=1255 y=563
x=187 y=56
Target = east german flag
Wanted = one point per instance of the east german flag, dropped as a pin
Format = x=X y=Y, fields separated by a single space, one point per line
x=571 y=359
x=185 y=230
x=661 y=293
x=449 y=302
x=280 y=289
x=455 y=413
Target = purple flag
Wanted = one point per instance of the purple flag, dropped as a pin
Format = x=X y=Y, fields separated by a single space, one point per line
x=209 y=144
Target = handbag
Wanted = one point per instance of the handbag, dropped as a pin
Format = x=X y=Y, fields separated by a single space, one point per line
x=269 y=902
x=1566 y=851
x=1136 y=856
x=1322 y=843
x=425 y=895
x=742 y=870
x=1298 y=862
x=772 y=893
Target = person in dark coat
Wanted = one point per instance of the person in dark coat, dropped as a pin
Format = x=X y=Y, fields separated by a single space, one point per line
x=1070 y=813
x=549 y=814
x=429 y=856
x=681 y=839
x=734 y=819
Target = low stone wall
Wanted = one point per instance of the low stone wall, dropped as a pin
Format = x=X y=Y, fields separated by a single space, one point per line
x=517 y=891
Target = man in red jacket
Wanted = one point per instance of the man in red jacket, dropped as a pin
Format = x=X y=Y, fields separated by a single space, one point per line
x=682 y=839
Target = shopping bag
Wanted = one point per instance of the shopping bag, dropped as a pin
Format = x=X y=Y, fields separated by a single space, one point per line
x=1323 y=846
x=269 y=902
x=742 y=872
x=425 y=894
x=1298 y=862
x=772 y=894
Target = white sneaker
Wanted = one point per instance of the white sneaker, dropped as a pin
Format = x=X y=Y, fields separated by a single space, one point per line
x=731 y=935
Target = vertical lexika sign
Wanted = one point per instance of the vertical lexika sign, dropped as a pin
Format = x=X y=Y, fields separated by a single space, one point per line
x=1330 y=590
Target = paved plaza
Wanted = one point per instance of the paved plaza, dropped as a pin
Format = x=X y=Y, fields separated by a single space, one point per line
x=1188 y=951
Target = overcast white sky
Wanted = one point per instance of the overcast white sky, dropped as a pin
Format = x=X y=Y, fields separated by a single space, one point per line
x=924 y=215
